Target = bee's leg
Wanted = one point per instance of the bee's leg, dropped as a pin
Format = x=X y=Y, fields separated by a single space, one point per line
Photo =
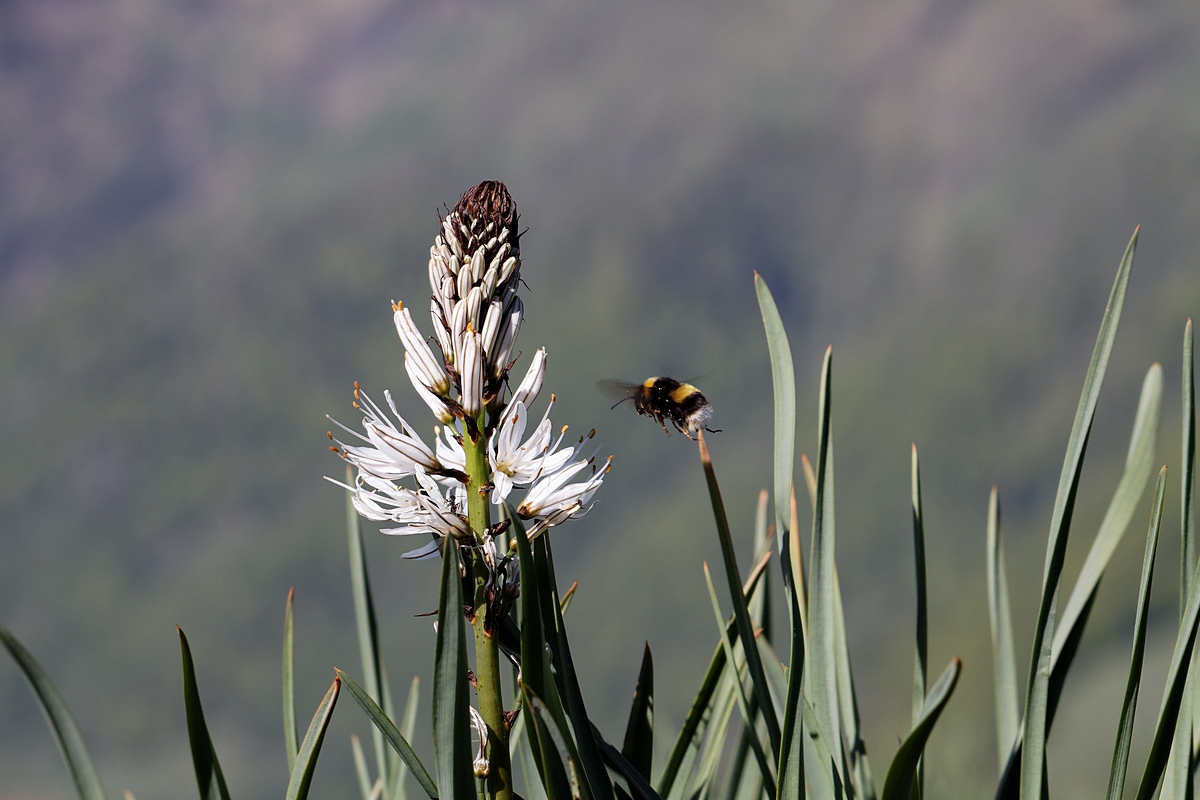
x=710 y=430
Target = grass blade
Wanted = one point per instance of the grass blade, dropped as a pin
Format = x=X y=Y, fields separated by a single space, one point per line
x=638 y=746
x=903 y=769
x=783 y=380
x=560 y=782
x=790 y=765
x=310 y=748
x=1120 y=762
x=58 y=716
x=1138 y=467
x=392 y=734
x=1172 y=699
x=1060 y=524
x=451 y=717
x=921 y=652
x=360 y=768
x=858 y=769
x=821 y=657
x=691 y=736
x=739 y=690
x=588 y=755
x=408 y=724
x=741 y=611
x=209 y=777
x=1004 y=664
x=364 y=619
x=637 y=785
x=291 y=739
x=1187 y=514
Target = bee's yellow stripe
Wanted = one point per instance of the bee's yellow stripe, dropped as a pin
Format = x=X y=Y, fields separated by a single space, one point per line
x=684 y=391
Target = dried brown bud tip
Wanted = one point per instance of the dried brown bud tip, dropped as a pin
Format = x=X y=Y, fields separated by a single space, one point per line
x=490 y=202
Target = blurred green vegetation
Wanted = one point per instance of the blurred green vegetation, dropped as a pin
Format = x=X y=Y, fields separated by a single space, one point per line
x=205 y=208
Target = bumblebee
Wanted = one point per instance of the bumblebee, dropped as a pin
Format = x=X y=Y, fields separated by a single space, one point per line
x=664 y=399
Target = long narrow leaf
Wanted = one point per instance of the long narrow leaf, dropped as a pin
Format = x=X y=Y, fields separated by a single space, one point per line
x=587 y=754
x=1168 y=713
x=364 y=619
x=1004 y=665
x=821 y=657
x=637 y=784
x=1187 y=514
x=291 y=739
x=209 y=777
x=638 y=747
x=408 y=724
x=451 y=715
x=858 y=769
x=391 y=733
x=783 y=381
x=921 y=651
x=556 y=766
x=1120 y=762
x=58 y=716
x=360 y=769
x=691 y=735
x=1138 y=467
x=740 y=695
x=1032 y=762
x=741 y=612
x=903 y=769
x=310 y=748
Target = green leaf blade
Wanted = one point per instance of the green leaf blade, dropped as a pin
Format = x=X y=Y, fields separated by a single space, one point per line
x=310 y=748
x=451 y=714
x=391 y=733
x=741 y=610
x=1120 y=761
x=66 y=732
x=209 y=778
x=783 y=381
x=903 y=768
x=291 y=740
x=638 y=745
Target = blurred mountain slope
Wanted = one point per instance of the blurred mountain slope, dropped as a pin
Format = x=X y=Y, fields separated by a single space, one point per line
x=205 y=208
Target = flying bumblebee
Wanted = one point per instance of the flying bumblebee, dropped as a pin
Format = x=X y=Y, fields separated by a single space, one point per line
x=664 y=399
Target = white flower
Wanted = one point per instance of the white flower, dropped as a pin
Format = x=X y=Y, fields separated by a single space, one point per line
x=435 y=403
x=395 y=452
x=422 y=511
x=521 y=463
x=428 y=367
x=531 y=384
x=554 y=499
x=471 y=374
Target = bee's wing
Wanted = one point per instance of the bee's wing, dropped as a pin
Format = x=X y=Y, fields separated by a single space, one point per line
x=618 y=391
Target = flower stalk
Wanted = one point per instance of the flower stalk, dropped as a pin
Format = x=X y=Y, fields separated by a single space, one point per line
x=481 y=452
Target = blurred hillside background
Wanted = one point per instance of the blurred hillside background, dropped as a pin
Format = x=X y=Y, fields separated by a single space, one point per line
x=207 y=205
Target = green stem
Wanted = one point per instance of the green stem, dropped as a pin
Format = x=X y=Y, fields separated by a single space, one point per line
x=487 y=652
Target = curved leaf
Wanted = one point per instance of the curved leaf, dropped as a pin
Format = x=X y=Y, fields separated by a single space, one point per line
x=903 y=769
x=58 y=716
x=1032 y=761
x=291 y=741
x=1120 y=762
x=310 y=748
x=392 y=734
x=638 y=746
x=783 y=381
x=209 y=777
